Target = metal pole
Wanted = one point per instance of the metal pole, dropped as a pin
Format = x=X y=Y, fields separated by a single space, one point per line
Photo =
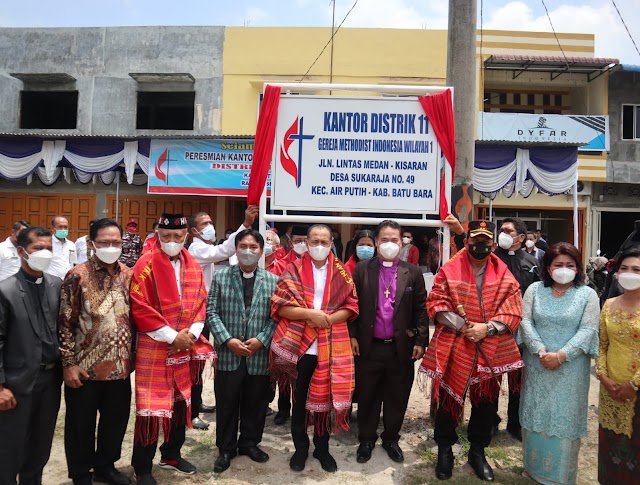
x=490 y=210
x=333 y=30
x=117 y=195
x=575 y=214
x=262 y=220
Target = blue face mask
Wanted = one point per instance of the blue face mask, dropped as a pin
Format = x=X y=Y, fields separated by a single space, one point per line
x=268 y=249
x=208 y=233
x=62 y=233
x=364 y=252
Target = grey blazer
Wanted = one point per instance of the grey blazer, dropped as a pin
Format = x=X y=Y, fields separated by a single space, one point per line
x=20 y=343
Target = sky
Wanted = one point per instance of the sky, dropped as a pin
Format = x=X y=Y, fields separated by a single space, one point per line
x=586 y=16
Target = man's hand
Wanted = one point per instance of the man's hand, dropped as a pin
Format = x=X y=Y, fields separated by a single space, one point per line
x=355 y=346
x=318 y=319
x=7 y=399
x=253 y=344
x=238 y=347
x=183 y=341
x=73 y=376
x=250 y=215
x=453 y=224
x=475 y=332
x=418 y=352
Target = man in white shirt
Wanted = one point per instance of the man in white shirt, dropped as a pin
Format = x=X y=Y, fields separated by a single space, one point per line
x=64 y=251
x=9 y=259
x=83 y=252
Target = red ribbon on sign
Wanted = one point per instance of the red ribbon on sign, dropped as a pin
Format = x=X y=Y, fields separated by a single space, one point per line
x=439 y=111
x=263 y=147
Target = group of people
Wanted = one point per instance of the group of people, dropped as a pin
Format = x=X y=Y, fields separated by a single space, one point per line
x=328 y=334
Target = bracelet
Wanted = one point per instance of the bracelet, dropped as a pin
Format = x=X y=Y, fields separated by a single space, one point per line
x=633 y=385
x=558 y=357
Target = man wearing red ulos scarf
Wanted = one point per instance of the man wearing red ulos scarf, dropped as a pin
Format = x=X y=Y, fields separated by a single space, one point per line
x=168 y=305
x=477 y=307
x=312 y=302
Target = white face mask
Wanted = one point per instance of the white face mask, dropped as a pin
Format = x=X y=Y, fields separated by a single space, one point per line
x=529 y=243
x=171 y=249
x=505 y=241
x=319 y=253
x=208 y=233
x=40 y=260
x=562 y=276
x=247 y=257
x=389 y=250
x=406 y=240
x=108 y=255
x=300 y=248
x=629 y=281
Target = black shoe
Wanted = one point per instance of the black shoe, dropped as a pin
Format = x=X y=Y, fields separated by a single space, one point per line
x=110 y=475
x=479 y=464
x=197 y=423
x=269 y=411
x=180 y=465
x=298 y=461
x=84 y=479
x=393 y=450
x=255 y=453
x=223 y=461
x=363 y=454
x=516 y=433
x=281 y=418
x=327 y=462
x=444 y=468
x=206 y=409
x=146 y=479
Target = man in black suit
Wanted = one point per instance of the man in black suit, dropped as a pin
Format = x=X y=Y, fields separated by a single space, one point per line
x=30 y=369
x=387 y=337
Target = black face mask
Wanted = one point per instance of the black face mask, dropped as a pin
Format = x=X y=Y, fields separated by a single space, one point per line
x=480 y=250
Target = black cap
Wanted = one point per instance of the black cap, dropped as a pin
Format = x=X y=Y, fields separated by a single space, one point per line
x=299 y=230
x=486 y=228
x=172 y=221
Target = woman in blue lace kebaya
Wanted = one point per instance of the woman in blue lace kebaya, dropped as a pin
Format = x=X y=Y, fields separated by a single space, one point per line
x=559 y=328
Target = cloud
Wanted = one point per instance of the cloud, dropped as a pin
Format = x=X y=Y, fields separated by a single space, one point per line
x=600 y=19
x=400 y=14
x=256 y=16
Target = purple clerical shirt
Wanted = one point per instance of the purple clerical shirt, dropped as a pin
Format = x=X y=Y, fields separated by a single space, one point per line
x=383 y=327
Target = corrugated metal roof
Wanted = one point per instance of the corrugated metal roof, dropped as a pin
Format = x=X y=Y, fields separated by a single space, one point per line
x=126 y=137
x=593 y=67
x=590 y=61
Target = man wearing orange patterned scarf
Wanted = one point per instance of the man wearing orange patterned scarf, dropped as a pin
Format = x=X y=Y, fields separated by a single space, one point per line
x=477 y=307
x=168 y=305
x=312 y=302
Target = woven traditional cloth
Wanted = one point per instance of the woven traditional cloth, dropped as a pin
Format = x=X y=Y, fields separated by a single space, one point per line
x=452 y=359
x=333 y=380
x=163 y=379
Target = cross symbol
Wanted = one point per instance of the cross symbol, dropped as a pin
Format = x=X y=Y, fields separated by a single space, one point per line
x=387 y=293
x=300 y=138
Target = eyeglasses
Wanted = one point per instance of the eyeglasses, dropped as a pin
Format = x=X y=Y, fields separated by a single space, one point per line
x=106 y=244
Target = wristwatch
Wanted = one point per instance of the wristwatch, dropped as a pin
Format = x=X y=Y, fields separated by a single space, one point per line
x=491 y=330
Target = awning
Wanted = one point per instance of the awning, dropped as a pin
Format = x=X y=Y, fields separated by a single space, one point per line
x=592 y=67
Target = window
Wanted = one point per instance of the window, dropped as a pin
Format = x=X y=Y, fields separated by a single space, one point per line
x=165 y=110
x=630 y=122
x=49 y=109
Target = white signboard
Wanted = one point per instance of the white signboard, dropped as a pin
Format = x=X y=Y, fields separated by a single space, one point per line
x=355 y=154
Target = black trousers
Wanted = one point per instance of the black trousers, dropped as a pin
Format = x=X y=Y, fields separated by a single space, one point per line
x=306 y=365
x=112 y=399
x=481 y=421
x=196 y=390
x=382 y=379
x=142 y=460
x=26 y=432
x=244 y=397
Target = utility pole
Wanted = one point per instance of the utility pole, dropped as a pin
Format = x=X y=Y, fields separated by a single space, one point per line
x=461 y=74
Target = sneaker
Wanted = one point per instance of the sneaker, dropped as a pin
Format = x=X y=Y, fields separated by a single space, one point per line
x=180 y=465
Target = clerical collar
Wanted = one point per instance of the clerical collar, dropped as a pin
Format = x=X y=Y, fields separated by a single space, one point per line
x=248 y=276
x=512 y=253
x=31 y=279
x=389 y=264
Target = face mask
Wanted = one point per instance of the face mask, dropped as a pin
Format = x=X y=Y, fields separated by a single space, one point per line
x=171 y=249
x=247 y=257
x=529 y=243
x=406 y=240
x=209 y=233
x=299 y=248
x=319 y=253
x=40 y=260
x=62 y=233
x=364 y=252
x=505 y=241
x=629 y=281
x=562 y=276
x=480 y=250
x=108 y=255
x=389 y=250
x=268 y=250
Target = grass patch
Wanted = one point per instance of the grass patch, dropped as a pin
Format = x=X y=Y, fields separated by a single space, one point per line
x=498 y=453
x=428 y=455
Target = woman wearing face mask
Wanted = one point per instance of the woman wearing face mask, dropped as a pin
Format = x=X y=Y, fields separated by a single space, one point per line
x=365 y=249
x=618 y=369
x=560 y=331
